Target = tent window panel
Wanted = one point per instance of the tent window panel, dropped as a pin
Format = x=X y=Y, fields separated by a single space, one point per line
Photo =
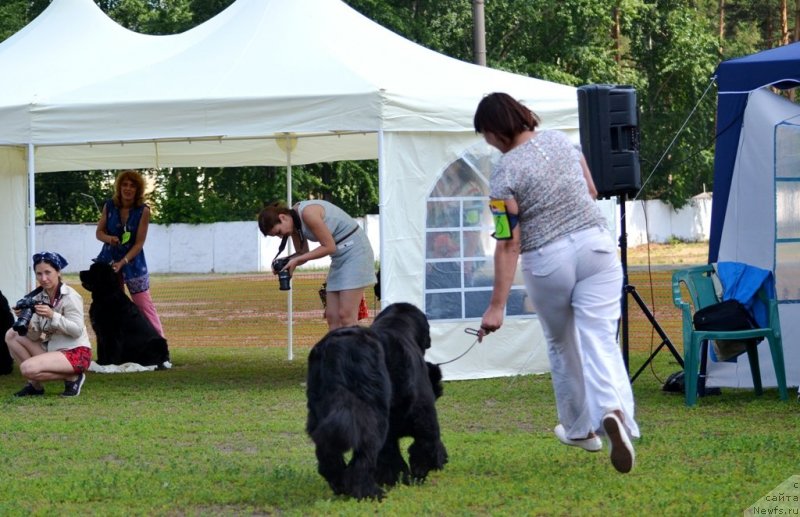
x=787 y=271
x=787 y=209
x=444 y=214
x=475 y=303
x=443 y=245
x=476 y=245
x=787 y=151
x=443 y=275
x=518 y=303
x=476 y=213
x=443 y=306
x=479 y=273
x=459 y=249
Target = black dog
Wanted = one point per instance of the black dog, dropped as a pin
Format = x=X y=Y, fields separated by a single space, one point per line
x=366 y=389
x=123 y=333
x=6 y=322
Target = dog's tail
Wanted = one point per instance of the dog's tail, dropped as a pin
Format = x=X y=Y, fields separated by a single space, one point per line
x=347 y=424
x=348 y=389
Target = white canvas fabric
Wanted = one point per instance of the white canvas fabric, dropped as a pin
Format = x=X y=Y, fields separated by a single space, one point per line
x=83 y=93
x=748 y=235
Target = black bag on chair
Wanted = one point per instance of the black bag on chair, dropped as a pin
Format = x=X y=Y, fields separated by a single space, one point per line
x=726 y=315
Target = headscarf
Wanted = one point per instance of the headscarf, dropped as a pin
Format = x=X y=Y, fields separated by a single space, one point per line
x=50 y=257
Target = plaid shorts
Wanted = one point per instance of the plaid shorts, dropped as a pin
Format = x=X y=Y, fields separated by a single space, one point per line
x=80 y=358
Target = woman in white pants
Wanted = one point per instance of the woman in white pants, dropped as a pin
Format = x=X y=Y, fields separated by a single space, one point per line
x=542 y=191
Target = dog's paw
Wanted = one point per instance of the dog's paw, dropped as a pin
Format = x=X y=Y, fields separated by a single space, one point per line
x=372 y=492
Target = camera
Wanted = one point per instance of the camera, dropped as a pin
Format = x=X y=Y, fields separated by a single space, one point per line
x=26 y=305
x=284 y=277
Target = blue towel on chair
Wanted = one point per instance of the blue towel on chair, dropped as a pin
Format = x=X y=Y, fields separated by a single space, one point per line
x=742 y=282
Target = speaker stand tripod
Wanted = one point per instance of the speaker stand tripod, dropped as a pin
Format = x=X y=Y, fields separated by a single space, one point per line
x=627 y=289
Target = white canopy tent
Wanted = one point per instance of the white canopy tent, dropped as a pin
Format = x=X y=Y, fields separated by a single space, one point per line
x=80 y=92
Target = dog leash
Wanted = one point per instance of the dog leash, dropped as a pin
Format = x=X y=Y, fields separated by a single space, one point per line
x=471 y=331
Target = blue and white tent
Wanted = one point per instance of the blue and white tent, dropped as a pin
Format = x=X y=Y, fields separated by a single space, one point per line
x=755 y=217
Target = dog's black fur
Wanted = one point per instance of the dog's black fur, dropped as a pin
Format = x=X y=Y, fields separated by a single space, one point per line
x=124 y=335
x=366 y=389
x=6 y=322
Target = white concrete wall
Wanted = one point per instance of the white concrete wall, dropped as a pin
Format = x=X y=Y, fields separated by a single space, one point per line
x=656 y=221
x=236 y=247
x=239 y=247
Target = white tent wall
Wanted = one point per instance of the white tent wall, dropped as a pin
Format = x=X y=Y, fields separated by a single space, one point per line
x=414 y=163
x=230 y=91
x=748 y=235
x=14 y=233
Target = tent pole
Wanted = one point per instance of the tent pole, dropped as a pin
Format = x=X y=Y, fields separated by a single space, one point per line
x=31 y=212
x=287 y=143
x=290 y=319
x=381 y=211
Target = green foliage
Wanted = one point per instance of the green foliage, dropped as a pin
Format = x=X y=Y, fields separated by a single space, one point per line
x=675 y=50
x=13 y=16
x=201 y=194
x=73 y=196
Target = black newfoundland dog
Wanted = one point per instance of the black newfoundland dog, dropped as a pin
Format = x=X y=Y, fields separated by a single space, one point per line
x=366 y=389
x=6 y=322
x=123 y=333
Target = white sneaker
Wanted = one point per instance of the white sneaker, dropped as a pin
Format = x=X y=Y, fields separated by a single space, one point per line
x=592 y=444
x=622 y=453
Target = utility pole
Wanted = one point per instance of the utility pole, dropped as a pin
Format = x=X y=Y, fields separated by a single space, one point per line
x=478 y=33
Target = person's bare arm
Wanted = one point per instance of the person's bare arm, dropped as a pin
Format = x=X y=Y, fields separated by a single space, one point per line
x=587 y=175
x=506 y=255
x=314 y=218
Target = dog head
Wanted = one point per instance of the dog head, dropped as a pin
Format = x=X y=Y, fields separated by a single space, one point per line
x=100 y=279
x=409 y=318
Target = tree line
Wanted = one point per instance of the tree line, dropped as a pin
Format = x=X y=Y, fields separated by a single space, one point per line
x=666 y=49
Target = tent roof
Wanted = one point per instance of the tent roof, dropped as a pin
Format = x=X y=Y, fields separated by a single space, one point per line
x=774 y=67
x=258 y=70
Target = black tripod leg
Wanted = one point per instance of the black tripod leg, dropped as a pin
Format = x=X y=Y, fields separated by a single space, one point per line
x=665 y=341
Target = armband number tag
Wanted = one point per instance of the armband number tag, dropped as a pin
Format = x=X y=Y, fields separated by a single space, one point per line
x=502 y=224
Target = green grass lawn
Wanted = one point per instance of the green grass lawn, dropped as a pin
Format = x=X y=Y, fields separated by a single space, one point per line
x=222 y=433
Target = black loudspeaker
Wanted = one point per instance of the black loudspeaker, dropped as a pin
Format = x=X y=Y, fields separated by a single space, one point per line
x=609 y=129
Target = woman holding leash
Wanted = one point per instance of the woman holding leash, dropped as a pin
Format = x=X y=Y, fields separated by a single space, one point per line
x=122 y=229
x=340 y=237
x=55 y=344
x=542 y=198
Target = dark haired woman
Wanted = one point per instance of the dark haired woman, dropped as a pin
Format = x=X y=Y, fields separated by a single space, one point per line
x=123 y=229
x=571 y=270
x=56 y=345
x=340 y=237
